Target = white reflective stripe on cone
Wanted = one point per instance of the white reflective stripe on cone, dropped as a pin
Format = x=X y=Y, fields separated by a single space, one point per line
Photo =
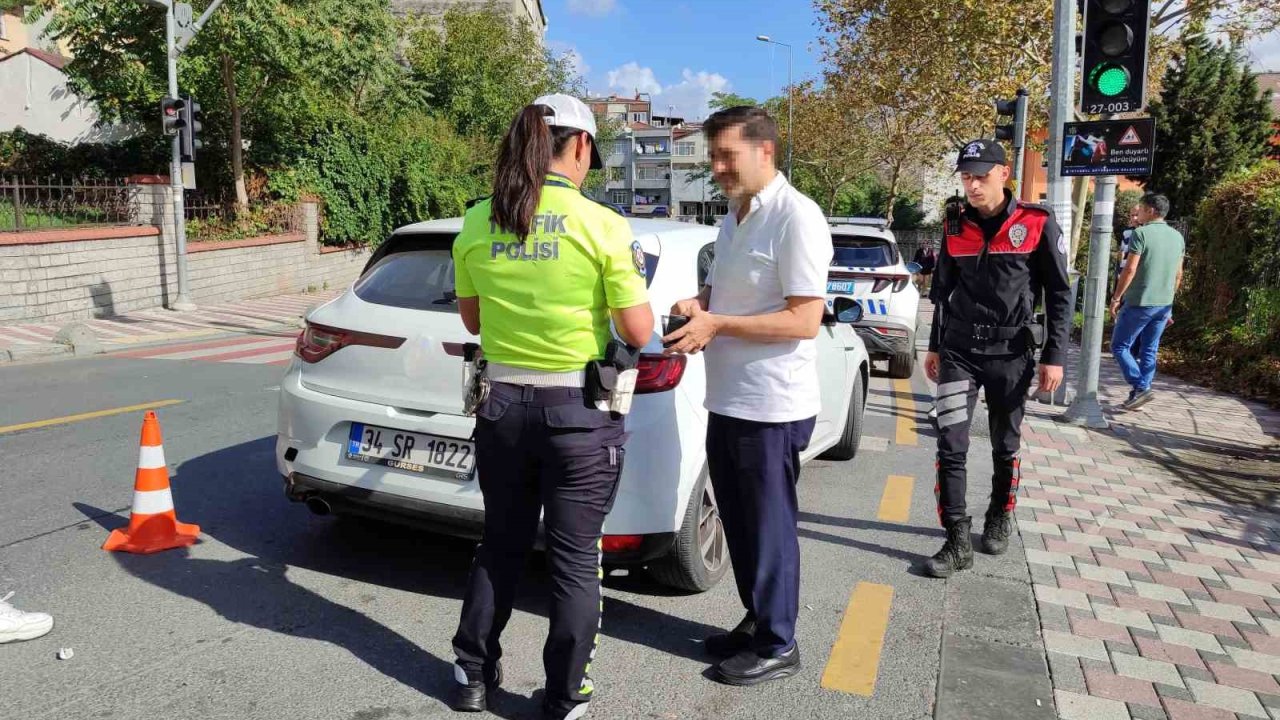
x=150 y=458
x=151 y=502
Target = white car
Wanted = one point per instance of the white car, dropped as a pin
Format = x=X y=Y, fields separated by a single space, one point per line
x=869 y=268
x=371 y=418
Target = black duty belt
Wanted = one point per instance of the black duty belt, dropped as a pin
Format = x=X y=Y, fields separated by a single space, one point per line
x=985 y=333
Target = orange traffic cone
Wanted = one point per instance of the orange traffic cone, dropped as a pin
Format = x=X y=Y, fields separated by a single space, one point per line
x=153 y=525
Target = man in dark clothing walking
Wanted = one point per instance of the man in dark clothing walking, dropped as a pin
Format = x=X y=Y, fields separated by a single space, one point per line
x=997 y=256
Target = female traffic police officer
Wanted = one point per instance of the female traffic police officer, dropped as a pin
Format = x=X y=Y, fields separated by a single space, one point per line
x=540 y=271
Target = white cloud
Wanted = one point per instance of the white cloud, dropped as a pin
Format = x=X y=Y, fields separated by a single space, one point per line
x=569 y=51
x=597 y=8
x=632 y=78
x=689 y=98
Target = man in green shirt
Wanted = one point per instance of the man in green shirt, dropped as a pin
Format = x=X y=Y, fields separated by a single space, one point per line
x=1143 y=302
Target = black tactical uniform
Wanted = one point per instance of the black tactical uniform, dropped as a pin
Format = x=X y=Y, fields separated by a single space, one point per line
x=990 y=273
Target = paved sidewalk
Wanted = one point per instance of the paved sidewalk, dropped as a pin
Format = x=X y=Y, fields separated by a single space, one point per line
x=158 y=325
x=1154 y=548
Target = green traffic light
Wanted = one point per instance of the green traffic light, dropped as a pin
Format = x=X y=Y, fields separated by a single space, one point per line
x=1110 y=79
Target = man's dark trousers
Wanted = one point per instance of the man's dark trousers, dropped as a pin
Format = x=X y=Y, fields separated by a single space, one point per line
x=542 y=450
x=1006 y=379
x=754 y=469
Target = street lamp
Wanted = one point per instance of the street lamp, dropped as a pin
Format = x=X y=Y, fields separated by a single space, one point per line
x=790 y=100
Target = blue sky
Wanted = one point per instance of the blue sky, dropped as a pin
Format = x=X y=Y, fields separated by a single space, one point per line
x=683 y=50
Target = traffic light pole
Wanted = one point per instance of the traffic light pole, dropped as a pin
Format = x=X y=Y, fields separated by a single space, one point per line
x=183 y=301
x=1086 y=410
x=1060 y=113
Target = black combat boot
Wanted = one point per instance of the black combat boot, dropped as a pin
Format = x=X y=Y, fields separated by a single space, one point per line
x=996 y=531
x=956 y=553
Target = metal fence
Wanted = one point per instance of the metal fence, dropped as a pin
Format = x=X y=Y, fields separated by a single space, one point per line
x=44 y=203
x=216 y=217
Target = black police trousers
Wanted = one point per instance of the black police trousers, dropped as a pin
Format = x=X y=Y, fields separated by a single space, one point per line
x=542 y=450
x=1006 y=379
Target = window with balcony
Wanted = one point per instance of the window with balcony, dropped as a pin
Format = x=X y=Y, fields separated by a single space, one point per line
x=686 y=149
x=639 y=117
x=652 y=172
x=620 y=197
x=617 y=174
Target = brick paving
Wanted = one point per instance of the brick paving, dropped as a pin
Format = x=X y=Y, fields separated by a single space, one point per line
x=1159 y=542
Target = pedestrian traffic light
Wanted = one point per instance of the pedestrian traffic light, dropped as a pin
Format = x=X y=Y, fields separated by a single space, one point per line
x=171 y=115
x=189 y=129
x=1115 y=56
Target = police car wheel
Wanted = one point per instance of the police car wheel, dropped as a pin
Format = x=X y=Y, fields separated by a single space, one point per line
x=700 y=556
x=851 y=438
x=901 y=365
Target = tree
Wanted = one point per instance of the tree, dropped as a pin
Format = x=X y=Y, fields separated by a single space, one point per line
x=726 y=100
x=1212 y=121
x=832 y=148
x=263 y=71
x=478 y=69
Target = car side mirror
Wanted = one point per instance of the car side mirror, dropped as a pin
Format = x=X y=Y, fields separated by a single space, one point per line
x=914 y=267
x=847 y=310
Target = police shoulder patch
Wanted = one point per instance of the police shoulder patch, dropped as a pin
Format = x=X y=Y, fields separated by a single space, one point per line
x=637 y=257
x=1062 y=243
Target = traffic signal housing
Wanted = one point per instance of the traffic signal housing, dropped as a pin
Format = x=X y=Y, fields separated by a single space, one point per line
x=171 y=115
x=189 y=129
x=1016 y=110
x=1115 y=56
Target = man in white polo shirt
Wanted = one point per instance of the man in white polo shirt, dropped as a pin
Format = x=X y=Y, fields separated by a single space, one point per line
x=757 y=319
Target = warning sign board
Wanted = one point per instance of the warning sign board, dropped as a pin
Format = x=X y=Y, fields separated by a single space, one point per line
x=1109 y=147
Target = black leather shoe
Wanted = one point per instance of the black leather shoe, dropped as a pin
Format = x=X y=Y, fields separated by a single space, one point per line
x=471 y=695
x=726 y=645
x=748 y=668
x=574 y=712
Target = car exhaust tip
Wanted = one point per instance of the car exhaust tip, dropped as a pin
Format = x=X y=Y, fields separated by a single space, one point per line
x=318 y=505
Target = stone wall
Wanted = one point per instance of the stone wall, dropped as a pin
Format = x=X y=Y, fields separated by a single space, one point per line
x=53 y=276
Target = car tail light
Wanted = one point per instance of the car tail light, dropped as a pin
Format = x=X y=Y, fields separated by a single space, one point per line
x=880 y=284
x=621 y=543
x=901 y=283
x=318 y=342
x=659 y=373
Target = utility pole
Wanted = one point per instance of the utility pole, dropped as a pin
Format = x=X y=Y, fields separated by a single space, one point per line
x=791 y=102
x=1086 y=410
x=174 y=48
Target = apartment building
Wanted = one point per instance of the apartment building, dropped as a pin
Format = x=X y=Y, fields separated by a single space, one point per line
x=653 y=167
x=528 y=10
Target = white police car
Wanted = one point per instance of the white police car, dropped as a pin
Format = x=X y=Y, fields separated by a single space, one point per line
x=868 y=267
x=371 y=417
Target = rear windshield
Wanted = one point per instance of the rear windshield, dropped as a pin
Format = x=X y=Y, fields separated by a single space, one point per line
x=417 y=279
x=422 y=279
x=860 y=251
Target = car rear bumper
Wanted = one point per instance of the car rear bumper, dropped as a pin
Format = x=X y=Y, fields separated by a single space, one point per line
x=437 y=517
x=879 y=344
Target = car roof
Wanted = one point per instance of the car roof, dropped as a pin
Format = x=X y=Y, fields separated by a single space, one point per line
x=863 y=231
x=639 y=226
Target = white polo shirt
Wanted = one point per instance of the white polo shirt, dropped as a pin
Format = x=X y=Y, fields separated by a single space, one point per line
x=781 y=249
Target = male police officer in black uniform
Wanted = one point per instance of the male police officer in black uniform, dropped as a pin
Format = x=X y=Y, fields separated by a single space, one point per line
x=998 y=256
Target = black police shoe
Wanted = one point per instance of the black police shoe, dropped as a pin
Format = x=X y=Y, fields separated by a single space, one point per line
x=956 y=553
x=748 y=668
x=572 y=713
x=996 y=531
x=726 y=645
x=469 y=692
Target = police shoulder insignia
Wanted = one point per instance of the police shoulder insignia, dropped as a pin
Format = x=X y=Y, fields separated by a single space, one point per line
x=637 y=257
x=1017 y=235
x=1062 y=243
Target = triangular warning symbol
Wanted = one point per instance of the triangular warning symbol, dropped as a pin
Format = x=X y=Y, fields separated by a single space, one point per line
x=1130 y=137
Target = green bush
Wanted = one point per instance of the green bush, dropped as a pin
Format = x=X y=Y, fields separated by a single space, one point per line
x=372 y=178
x=1228 y=314
x=27 y=155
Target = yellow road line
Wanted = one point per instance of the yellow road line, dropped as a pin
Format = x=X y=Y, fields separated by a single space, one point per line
x=895 y=503
x=87 y=416
x=855 y=658
x=905 y=404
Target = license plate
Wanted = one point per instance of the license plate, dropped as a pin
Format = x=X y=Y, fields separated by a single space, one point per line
x=840 y=286
x=413 y=452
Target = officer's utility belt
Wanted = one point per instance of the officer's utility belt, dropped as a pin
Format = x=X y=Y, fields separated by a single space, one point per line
x=537 y=378
x=987 y=334
x=609 y=384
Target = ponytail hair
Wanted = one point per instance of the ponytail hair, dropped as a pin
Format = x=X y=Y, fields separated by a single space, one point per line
x=523 y=162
